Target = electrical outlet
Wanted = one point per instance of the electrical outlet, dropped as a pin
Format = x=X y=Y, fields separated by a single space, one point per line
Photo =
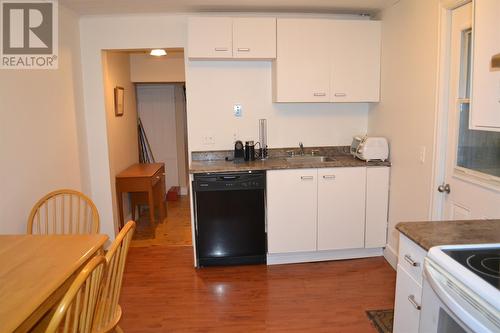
x=237 y=110
x=209 y=140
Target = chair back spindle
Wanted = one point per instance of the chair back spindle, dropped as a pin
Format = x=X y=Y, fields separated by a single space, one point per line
x=109 y=311
x=64 y=212
x=76 y=311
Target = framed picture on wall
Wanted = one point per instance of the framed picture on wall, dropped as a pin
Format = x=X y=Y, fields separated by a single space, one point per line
x=119 y=97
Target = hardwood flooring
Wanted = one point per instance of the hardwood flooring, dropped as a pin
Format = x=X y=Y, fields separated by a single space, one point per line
x=163 y=292
x=174 y=230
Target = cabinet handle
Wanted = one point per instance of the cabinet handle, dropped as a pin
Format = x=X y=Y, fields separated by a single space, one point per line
x=319 y=94
x=243 y=49
x=340 y=94
x=411 y=299
x=412 y=262
x=307 y=177
x=329 y=177
x=221 y=49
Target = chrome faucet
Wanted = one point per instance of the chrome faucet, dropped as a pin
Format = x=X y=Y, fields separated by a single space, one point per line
x=301 y=146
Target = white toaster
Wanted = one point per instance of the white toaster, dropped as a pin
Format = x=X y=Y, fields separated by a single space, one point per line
x=370 y=148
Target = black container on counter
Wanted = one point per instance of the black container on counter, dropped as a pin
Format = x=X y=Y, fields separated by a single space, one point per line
x=249 y=151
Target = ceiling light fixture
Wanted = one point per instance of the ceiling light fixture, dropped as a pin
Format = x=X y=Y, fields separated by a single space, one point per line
x=158 y=52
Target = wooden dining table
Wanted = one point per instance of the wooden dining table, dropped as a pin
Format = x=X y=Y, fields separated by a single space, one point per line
x=35 y=273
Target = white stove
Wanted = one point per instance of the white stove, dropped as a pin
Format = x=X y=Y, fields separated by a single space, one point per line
x=461 y=291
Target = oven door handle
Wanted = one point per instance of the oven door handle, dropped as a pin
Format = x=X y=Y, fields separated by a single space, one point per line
x=432 y=275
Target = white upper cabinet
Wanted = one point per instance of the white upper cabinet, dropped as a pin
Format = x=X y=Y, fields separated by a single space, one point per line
x=355 y=61
x=254 y=37
x=320 y=60
x=210 y=37
x=341 y=208
x=485 y=107
x=302 y=66
x=228 y=38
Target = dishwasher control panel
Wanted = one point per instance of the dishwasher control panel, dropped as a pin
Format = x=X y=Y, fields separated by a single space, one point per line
x=230 y=181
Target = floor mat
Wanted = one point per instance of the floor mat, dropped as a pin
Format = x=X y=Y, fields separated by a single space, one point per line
x=381 y=319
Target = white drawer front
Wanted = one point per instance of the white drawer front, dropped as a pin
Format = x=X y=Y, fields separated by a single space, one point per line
x=408 y=300
x=411 y=257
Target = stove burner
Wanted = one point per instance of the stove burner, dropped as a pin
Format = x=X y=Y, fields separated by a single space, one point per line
x=484 y=262
x=488 y=266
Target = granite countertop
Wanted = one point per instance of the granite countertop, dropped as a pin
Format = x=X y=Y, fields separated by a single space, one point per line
x=276 y=163
x=429 y=234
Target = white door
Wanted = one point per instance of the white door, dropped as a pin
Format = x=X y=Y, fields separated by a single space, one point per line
x=341 y=208
x=356 y=61
x=254 y=37
x=302 y=67
x=291 y=210
x=471 y=188
x=210 y=37
x=156 y=108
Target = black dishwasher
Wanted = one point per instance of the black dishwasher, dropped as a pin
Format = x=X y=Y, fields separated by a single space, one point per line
x=230 y=218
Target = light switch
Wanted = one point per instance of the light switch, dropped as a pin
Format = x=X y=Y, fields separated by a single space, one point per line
x=237 y=110
x=422 y=154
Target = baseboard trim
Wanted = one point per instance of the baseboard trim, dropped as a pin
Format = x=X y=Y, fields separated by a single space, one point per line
x=299 y=257
x=391 y=256
x=184 y=190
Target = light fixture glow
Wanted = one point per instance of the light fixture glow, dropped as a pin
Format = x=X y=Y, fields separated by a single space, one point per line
x=158 y=52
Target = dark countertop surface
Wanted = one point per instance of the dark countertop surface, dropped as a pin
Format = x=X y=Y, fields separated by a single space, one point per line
x=278 y=163
x=429 y=234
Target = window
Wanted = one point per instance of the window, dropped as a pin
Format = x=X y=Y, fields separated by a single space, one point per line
x=478 y=151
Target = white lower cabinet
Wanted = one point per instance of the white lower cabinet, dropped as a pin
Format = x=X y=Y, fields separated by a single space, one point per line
x=320 y=214
x=291 y=210
x=408 y=300
x=408 y=286
x=341 y=208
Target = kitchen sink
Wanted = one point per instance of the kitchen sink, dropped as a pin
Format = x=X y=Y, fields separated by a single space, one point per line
x=308 y=159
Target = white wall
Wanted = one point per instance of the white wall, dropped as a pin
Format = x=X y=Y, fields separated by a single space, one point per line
x=213 y=87
x=406 y=113
x=248 y=83
x=121 y=131
x=148 y=69
x=156 y=107
x=115 y=32
x=42 y=143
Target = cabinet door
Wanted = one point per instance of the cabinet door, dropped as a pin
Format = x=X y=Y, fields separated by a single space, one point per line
x=291 y=210
x=254 y=37
x=302 y=66
x=377 y=203
x=485 y=107
x=355 y=61
x=341 y=208
x=408 y=299
x=210 y=37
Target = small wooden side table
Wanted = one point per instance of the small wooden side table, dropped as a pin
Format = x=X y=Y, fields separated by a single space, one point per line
x=142 y=177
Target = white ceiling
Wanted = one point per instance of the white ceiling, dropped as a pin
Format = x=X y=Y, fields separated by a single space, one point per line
x=86 y=7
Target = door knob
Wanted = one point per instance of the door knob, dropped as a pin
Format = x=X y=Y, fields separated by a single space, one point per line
x=444 y=188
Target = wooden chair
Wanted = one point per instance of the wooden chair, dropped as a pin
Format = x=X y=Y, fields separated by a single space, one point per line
x=76 y=311
x=64 y=212
x=109 y=311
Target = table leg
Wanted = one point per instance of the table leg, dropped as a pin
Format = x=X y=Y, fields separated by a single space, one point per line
x=163 y=197
x=151 y=204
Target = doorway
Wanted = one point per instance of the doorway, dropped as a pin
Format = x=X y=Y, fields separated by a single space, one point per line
x=470 y=160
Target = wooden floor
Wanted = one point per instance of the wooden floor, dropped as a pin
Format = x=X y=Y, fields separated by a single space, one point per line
x=163 y=292
x=174 y=230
